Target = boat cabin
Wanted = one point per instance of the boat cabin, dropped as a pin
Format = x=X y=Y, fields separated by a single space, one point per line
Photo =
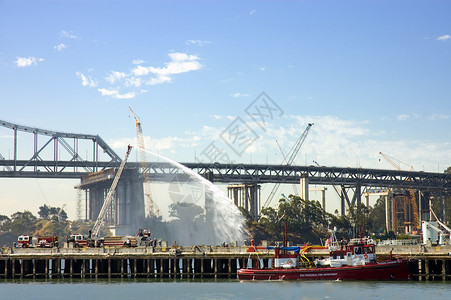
x=357 y=252
x=284 y=257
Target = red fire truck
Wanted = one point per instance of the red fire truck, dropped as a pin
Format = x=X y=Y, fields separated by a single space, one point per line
x=27 y=241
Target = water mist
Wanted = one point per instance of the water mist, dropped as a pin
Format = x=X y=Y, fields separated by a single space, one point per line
x=193 y=210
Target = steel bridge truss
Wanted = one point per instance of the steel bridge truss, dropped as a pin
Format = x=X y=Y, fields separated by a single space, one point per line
x=53 y=154
x=322 y=176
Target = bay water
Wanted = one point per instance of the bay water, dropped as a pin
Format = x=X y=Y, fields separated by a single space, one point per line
x=141 y=289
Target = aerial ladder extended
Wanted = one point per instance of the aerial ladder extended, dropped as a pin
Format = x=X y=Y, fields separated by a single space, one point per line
x=291 y=157
x=152 y=209
x=441 y=235
x=109 y=197
x=412 y=197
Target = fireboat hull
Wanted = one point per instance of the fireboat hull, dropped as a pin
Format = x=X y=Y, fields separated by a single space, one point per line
x=390 y=270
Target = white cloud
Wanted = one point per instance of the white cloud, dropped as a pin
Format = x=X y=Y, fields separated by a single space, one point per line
x=133 y=82
x=60 y=47
x=87 y=80
x=402 y=117
x=115 y=76
x=197 y=42
x=141 y=71
x=141 y=75
x=129 y=95
x=158 y=80
x=438 y=117
x=181 y=63
x=332 y=141
x=218 y=117
x=67 y=34
x=138 y=61
x=105 y=92
x=239 y=95
x=444 y=37
x=27 y=61
x=116 y=94
x=433 y=117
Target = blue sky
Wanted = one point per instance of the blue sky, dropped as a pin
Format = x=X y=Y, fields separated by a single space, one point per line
x=372 y=75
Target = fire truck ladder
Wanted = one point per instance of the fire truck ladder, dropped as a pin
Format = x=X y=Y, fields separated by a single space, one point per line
x=109 y=197
x=152 y=209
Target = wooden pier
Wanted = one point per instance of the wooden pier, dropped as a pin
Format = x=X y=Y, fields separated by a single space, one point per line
x=183 y=262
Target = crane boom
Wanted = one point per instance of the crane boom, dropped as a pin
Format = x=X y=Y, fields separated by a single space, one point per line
x=440 y=223
x=412 y=197
x=291 y=157
x=109 y=197
x=294 y=152
x=152 y=209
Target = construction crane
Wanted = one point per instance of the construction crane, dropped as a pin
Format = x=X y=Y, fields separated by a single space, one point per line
x=437 y=229
x=412 y=197
x=152 y=209
x=109 y=197
x=291 y=157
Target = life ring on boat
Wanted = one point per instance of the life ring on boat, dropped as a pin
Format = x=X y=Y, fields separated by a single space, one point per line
x=365 y=256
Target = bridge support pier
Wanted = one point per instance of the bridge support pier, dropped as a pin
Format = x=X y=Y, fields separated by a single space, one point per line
x=127 y=208
x=356 y=198
x=247 y=196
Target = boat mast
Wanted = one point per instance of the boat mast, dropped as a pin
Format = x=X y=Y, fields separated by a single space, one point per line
x=285 y=238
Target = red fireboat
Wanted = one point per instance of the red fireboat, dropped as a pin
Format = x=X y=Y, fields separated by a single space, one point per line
x=355 y=260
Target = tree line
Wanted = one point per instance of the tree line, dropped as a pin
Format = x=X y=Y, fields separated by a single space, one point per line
x=307 y=222
x=51 y=221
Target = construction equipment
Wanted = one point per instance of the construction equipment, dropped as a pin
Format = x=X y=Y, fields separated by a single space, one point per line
x=109 y=197
x=141 y=239
x=433 y=231
x=291 y=157
x=412 y=197
x=152 y=209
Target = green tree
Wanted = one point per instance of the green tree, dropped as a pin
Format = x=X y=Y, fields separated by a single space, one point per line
x=256 y=230
x=376 y=220
x=306 y=221
x=4 y=218
x=44 y=212
x=48 y=212
x=359 y=217
x=22 y=223
x=53 y=227
x=4 y=222
x=186 y=211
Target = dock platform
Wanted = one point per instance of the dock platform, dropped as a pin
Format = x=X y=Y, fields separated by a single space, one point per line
x=428 y=263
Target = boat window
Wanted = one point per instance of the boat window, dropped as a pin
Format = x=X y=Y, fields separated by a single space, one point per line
x=357 y=250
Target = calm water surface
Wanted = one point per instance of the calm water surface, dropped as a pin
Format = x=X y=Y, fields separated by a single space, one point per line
x=219 y=289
